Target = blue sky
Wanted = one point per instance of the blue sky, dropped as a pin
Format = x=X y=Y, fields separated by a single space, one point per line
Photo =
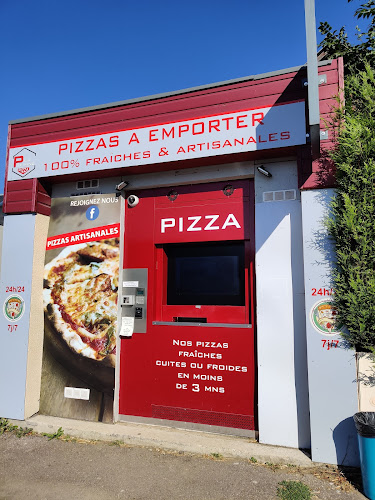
x=57 y=56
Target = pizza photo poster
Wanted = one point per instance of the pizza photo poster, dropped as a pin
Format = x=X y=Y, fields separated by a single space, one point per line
x=80 y=292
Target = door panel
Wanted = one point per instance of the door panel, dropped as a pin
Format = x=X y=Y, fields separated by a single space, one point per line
x=195 y=362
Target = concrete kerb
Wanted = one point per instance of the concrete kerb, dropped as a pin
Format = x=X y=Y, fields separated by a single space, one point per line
x=167 y=438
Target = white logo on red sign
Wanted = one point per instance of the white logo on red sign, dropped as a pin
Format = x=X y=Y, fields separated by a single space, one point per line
x=24 y=162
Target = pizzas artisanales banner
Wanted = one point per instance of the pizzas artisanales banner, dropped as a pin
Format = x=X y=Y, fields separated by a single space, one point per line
x=80 y=295
x=85 y=236
x=241 y=131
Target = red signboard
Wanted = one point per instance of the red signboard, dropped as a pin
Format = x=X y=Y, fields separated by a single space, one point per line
x=201 y=223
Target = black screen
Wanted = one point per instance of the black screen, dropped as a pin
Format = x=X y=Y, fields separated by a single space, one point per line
x=206 y=274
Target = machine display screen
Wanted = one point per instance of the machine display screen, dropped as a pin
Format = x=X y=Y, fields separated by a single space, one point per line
x=206 y=274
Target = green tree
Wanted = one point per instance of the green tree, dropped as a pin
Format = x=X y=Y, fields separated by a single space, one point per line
x=352 y=224
x=357 y=55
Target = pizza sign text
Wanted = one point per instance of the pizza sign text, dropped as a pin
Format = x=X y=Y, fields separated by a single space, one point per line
x=199 y=223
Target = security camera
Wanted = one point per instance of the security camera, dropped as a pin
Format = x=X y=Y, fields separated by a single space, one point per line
x=133 y=200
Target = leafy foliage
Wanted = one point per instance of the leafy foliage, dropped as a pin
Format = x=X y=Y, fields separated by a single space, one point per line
x=352 y=225
x=6 y=426
x=54 y=435
x=293 y=490
x=356 y=56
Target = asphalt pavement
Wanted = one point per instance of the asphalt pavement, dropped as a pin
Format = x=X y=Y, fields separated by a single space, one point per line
x=37 y=467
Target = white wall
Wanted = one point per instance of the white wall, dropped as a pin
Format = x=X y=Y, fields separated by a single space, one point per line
x=22 y=263
x=281 y=337
x=332 y=374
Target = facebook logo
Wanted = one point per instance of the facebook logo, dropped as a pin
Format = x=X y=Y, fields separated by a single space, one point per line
x=92 y=212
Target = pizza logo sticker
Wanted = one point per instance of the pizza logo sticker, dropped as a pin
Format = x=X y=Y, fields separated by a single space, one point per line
x=323 y=318
x=14 y=307
x=24 y=162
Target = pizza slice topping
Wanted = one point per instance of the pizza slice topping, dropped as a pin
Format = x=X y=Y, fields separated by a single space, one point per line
x=90 y=307
x=97 y=253
x=91 y=260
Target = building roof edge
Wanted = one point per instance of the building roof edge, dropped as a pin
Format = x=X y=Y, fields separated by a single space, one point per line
x=165 y=94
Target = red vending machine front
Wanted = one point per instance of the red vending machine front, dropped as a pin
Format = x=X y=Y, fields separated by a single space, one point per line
x=188 y=268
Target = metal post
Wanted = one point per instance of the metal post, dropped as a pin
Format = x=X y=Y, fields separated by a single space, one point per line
x=312 y=77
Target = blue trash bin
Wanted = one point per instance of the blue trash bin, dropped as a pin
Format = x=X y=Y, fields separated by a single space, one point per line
x=365 y=425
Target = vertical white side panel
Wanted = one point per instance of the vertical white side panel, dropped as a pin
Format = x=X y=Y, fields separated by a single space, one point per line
x=116 y=403
x=332 y=374
x=281 y=337
x=16 y=274
x=36 y=330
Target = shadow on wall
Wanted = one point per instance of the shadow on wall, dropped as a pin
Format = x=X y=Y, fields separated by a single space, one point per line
x=365 y=377
x=321 y=243
x=346 y=442
x=325 y=170
x=300 y=339
x=324 y=244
